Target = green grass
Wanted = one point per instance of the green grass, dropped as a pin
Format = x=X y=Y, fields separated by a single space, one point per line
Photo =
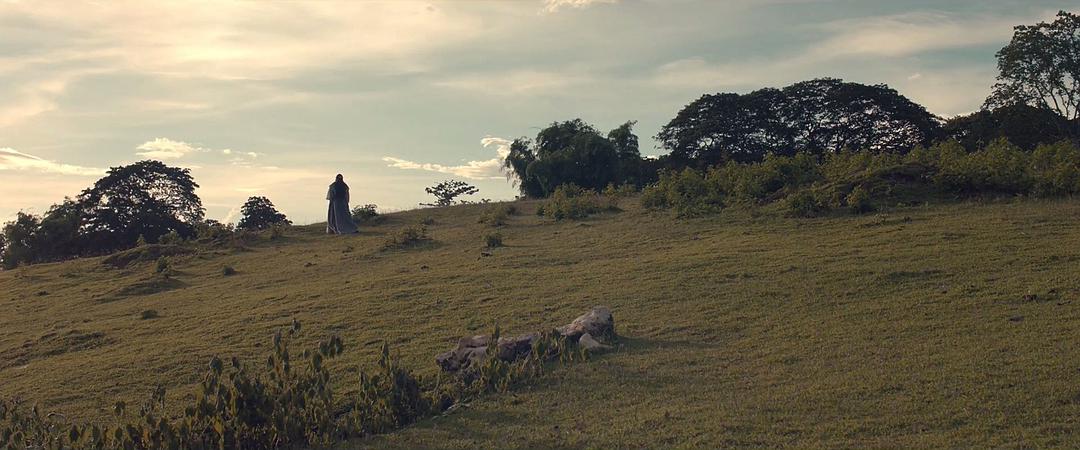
x=942 y=326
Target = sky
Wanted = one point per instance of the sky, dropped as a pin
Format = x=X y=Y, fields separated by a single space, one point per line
x=274 y=98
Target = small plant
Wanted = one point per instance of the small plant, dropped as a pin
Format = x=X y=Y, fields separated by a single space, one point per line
x=277 y=230
x=366 y=214
x=228 y=270
x=493 y=239
x=149 y=314
x=426 y=220
x=171 y=238
x=406 y=237
x=497 y=215
x=446 y=191
x=163 y=266
x=141 y=241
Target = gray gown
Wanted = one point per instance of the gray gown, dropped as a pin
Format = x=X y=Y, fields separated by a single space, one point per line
x=338 y=218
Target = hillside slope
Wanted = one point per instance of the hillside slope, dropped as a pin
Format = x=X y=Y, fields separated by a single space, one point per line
x=952 y=325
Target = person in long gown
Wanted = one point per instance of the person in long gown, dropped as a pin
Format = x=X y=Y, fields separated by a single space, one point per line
x=338 y=218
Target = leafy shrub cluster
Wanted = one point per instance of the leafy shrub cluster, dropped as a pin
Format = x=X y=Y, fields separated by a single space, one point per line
x=366 y=214
x=570 y=201
x=406 y=237
x=493 y=239
x=861 y=181
x=497 y=215
x=288 y=402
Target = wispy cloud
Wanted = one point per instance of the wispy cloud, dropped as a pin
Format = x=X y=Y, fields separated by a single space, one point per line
x=165 y=148
x=488 y=169
x=910 y=33
x=11 y=159
x=517 y=82
x=553 y=6
x=168 y=149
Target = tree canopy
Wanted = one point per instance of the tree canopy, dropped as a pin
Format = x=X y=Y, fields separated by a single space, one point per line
x=147 y=198
x=819 y=116
x=574 y=152
x=259 y=213
x=1040 y=67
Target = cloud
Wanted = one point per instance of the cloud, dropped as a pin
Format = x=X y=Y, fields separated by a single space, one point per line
x=11 y=159
x=516 y=82
x=553 y=6
x=489 y=169
x=911 y=33
x=165 y=148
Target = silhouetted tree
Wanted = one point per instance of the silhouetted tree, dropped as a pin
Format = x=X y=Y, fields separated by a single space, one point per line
x=818 y=116
x=1023 y=125
x=446 y=191
x=146 y=198
x=1040 y=67
x=19 y=236
x=574 y=152
x=258 y=213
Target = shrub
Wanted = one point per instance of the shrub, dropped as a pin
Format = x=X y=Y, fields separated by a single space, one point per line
x=687 y=192
x=366 y=214
x=570 y=202
x=858 y=201
x=170 y=238
x=804 y=204
x=493 y=239
x=228 y=270
x=213 y=232
x=497 y=215
x=288 y=402
x=1055 y=169
x=163 y=266
x=406 y=237
x=277 y=230
x=149 y=314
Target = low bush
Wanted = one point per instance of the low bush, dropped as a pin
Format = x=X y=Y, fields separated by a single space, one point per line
x=366 y=214
x=288 y=402
x=171 y=238
x=277 y=230
x=497 y=215
x=493 y=239
x=228 y=270
x=571 y=202
x=406 y=237
x=163 y=267
x=861 y=181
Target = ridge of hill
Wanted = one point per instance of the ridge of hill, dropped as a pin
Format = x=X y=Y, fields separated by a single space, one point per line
x=948 y=325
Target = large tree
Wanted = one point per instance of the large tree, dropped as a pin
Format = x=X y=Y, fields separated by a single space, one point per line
x=818 y=116
x=573 y=152
x=258 y=213
x=1023 y=125
x=1040 y=67
x=147 y=198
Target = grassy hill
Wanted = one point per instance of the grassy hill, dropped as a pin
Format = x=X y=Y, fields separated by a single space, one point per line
x=938 y=326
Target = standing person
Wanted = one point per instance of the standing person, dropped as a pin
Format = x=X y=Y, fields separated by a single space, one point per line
x=338 y=219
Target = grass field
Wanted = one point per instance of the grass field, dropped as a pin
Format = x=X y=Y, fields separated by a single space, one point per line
x=942 y=326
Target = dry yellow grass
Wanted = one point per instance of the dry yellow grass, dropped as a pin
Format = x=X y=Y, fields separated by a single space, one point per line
x=942 y=326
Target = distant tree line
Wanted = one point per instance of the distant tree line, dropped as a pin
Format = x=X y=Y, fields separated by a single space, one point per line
x=1036 y=101
x=140 y=202
x=1034 y=105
